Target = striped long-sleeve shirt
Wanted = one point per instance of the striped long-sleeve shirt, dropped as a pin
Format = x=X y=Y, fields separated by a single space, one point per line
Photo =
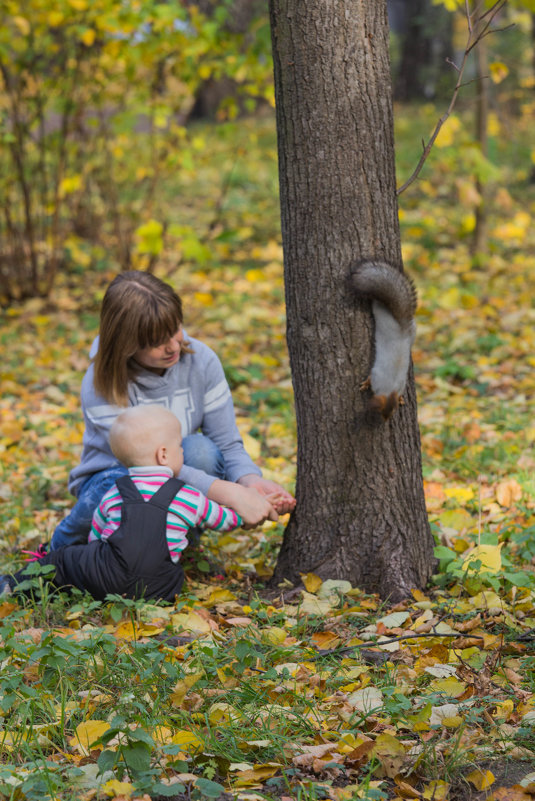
x=189 y=508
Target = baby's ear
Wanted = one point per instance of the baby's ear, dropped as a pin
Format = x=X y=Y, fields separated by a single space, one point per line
x=161 y=455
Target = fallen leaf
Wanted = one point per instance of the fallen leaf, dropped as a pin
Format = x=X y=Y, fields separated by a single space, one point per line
x=489 y=555
x=311 y=581
x=508 y=492
x=114 y=788
x=366 y=700
x=481 y=779
x=87 y=733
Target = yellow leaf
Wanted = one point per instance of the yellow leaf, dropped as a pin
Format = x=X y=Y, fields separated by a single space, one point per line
x=70 y=184
x=252 y=446
x=437 y=790
x=191 y=621
x=187 y=741
x=87 y=733
x=55 y=18
x=494 y=129
x=446 y=135
x=273 y=635
x=419 y=596
x=311 y=581
x=88 y=37
x=442 y=712
x=22 y=24
x=113 y=788
x=204 y=298
x=221 y=713
x=450 y=298
x=226 y=677
x=388 y=745
x=348 y=741
x=457 y=519
x=452 y=721
x=256 y=775
x=498 y=71
x=78 y=5
x=255 y=275
x=130 y=630
x=162 y=735
x=470 y=301
x=218 y=596
x=450 y=686
x=461 y=494
x=481 y=779
x=486 y=600
x=489 y=555
x=503 y=709
x=183 y=686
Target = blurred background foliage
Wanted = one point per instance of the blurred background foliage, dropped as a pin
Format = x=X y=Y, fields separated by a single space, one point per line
x=105 y=109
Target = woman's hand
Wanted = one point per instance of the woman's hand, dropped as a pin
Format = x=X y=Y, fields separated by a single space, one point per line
x=252 y=506
x=279 y=498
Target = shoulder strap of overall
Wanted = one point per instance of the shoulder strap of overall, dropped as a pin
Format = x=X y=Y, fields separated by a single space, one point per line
x=167 y=492
x=128 y=490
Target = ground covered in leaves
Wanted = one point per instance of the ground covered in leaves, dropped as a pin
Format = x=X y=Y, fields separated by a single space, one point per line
x=301 y=693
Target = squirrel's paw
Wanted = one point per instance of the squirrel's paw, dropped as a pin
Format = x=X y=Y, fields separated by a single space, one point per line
x=401 y=400
x=367 y=384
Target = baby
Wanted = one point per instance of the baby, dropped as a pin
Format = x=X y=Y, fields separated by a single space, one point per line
x=141 y=525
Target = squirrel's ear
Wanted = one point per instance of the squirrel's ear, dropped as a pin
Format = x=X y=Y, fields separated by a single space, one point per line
x=161 y=455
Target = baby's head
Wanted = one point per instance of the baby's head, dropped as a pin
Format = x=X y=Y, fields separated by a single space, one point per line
x=147 y=435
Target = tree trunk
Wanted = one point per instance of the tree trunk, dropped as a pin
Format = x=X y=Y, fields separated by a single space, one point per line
x=415 y=54
x=426 y=41
x=360 y=511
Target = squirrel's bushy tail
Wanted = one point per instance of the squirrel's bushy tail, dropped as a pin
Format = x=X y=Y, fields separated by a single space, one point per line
x=384 y=283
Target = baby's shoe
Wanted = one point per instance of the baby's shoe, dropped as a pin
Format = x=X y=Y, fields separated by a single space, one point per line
x=33 y=556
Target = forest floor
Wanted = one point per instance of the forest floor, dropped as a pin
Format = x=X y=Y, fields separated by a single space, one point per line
x=319 y=691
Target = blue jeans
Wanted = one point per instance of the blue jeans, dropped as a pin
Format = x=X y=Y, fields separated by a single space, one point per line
x=199 y=452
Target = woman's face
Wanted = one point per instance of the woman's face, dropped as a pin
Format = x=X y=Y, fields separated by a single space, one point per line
x=159 y=358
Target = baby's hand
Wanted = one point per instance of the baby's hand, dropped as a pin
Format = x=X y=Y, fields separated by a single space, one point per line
x=282 y=502
x=279 y=498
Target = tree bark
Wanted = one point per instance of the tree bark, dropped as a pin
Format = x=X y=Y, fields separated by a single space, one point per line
x=360 y=511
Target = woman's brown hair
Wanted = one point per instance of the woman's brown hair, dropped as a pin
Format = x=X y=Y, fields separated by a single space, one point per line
x=138 y=311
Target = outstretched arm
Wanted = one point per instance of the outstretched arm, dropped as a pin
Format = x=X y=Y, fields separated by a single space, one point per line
x=252 y=506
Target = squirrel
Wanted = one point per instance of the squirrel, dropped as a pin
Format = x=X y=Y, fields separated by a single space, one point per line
x=394 y=300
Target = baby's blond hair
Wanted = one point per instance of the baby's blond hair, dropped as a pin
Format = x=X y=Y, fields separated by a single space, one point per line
x=138 y=432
